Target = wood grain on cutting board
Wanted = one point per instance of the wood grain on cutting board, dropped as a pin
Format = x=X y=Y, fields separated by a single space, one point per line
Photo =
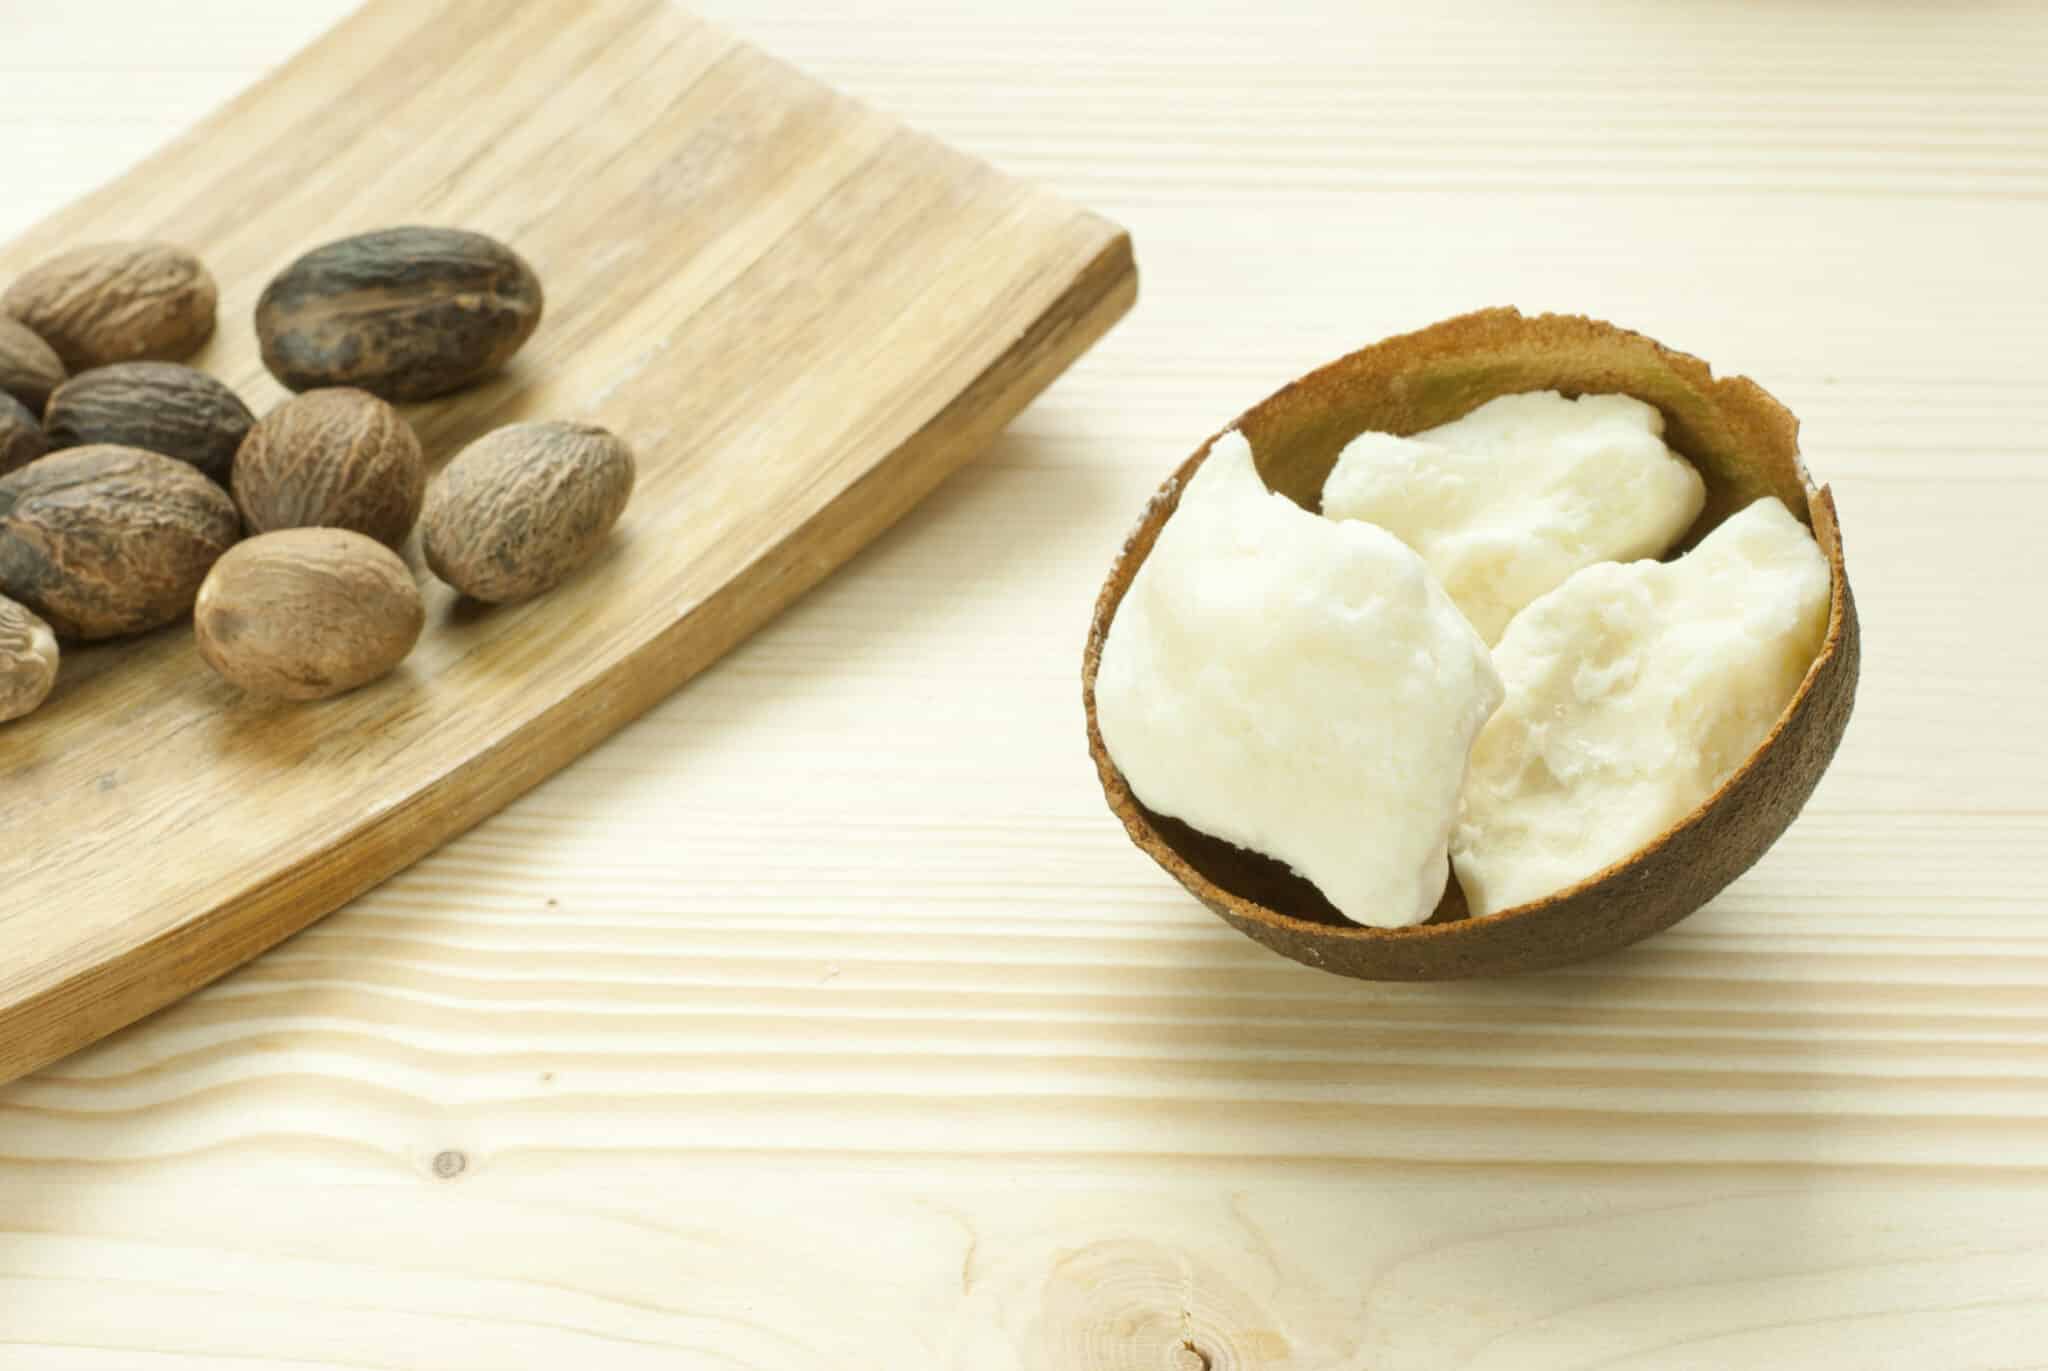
x=799 y=312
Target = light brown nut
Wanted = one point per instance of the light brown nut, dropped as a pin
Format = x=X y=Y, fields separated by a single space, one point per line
x=520 y=509
x=28 y=660
x=22 y=439
x=336 y=458
x=406 y=313
x=117 y=302
x=29 y=369
x=104 y=541
x=306 y=613
x=160 y=407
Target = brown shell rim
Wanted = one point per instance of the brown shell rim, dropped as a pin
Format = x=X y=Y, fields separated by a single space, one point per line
x=1827 y=533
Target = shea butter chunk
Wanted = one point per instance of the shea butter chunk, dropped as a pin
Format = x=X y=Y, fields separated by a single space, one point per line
x=1632 y=693
x=1297 y=686
x=1508 y=501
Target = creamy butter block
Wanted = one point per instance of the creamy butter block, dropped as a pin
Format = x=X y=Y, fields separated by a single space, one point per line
x=1297 y=686
x=1633 y=691
x=1506 y=502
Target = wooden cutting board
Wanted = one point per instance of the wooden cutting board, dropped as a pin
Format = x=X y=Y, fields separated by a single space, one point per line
x=801 y=314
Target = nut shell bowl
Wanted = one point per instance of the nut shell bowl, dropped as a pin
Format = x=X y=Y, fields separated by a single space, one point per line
x=1745 y=445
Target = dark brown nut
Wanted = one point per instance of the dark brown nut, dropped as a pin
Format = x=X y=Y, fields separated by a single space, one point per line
x=29 y=369
x=28 y=660
x=307 y=613
x=519 y=509
x=333 y=459
x=157 y=406
x=103 y=541
x=22 y=439
x=117 y=302
x=404 y=313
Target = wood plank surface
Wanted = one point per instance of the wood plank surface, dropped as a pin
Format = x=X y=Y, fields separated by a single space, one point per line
x=801 y=315
x=825 y=1018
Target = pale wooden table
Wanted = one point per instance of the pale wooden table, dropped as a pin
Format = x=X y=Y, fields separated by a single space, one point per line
x=825 y=1019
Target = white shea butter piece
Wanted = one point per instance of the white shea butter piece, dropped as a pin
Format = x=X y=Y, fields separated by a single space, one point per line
x=1299 y=687
x=1633 y=692
x=1506 y=502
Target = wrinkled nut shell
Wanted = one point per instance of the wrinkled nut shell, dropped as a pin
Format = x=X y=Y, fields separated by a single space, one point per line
x=520 y=509
x=22 y=439
x=28 y=660
x=104 y=541
x=404 y=313
x=337 y=458
x=307 y=613
x=1744 y=443
x=159 y=407
x=29 y=369
x=117 y=302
